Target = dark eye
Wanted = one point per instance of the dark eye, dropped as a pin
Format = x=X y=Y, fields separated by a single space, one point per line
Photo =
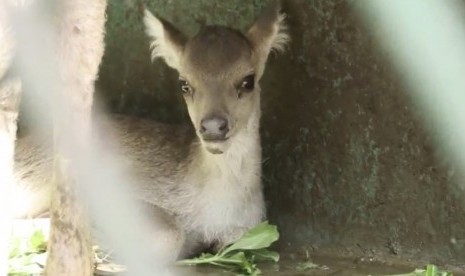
x=248 y=83
x=185 y=86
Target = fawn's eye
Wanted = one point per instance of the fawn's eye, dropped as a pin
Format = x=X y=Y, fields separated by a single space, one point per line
x=185 y=87
x=248 y=83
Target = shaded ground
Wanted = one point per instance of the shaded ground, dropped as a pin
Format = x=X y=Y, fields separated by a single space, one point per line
x=327 y=266
x=293 y=262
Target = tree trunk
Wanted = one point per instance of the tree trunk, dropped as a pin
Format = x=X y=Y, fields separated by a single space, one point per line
x=80 y=51
x=9 y=104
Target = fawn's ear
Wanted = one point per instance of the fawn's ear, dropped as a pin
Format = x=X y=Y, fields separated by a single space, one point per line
x=268 y=32
x=167 y=41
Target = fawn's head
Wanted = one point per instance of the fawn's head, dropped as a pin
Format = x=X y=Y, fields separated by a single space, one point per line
x=219 y=69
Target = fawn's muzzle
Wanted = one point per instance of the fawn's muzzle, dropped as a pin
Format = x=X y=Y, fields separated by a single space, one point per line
x=214 y=128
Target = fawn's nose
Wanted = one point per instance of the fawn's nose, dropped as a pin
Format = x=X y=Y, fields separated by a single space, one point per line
x=214 y=128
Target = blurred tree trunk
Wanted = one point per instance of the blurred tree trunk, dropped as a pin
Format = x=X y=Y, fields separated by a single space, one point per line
x=80 y=49
x=9 y=104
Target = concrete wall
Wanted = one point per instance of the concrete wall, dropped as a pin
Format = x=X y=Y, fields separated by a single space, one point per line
x=349 y=168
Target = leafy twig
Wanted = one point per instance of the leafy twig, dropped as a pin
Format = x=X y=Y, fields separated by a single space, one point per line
x=242 y=254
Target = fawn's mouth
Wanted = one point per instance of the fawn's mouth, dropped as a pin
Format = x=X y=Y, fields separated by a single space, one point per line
x=209 y=140
x=214 y=151
x=216 y=146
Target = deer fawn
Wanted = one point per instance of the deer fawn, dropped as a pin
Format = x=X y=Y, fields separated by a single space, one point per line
x=206 y=180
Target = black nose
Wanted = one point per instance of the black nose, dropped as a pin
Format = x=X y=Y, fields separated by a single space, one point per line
x=214 y=128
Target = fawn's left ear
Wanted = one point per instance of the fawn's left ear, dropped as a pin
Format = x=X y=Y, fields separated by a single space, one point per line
x=268 y=32
x=167 y=41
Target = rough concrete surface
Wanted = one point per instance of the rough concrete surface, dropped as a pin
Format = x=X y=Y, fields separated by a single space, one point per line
x=348 y=165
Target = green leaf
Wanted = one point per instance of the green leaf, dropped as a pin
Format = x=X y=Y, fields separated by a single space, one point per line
x=264 y=255
x=262 y=236
x=37 y=241
x=24 y=265
x=204 y=258
x=241 y=255
x=306 y=265
x=240 y=259
x=431 y=270
x=15 y=247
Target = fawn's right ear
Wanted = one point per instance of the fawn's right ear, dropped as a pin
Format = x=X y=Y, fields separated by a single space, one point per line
x=167 y=41
x=268 y=33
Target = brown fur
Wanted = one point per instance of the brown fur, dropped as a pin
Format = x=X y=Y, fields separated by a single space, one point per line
x=210 y=191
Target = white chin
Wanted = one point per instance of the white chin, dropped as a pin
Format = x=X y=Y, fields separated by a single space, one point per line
x=216 y=147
